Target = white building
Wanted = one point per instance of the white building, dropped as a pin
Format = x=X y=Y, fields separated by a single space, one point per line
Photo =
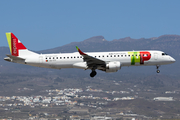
x=163 y=99
x=101 y=118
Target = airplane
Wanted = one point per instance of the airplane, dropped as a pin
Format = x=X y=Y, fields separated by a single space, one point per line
x=105 y=61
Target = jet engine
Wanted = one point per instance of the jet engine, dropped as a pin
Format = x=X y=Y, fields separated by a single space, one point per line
x=113 y=66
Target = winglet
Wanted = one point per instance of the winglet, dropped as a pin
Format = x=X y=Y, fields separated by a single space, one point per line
x=80 y=52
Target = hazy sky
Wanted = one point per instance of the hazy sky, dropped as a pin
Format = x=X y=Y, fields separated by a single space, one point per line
x=44 y=24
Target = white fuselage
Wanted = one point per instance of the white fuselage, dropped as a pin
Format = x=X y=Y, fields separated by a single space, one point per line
x=68 y=60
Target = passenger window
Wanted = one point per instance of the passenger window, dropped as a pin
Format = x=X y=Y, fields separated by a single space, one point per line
x=111 y=55
x=46 y=58
x=129 y=55
x=77 y=56
x=99 y=56
x=67 y=57
x=56 y=57
x=71 y=57
x=103 y=56
x=64 y=57
x=114 y=55
x=118 y=55
x=121 y=55
x=125 y=55
x=60 y=57
x=74 y=57
x=49 y=57
x=107 y=56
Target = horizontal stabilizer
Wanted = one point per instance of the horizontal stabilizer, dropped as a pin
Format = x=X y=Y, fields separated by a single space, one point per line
x=15 y=58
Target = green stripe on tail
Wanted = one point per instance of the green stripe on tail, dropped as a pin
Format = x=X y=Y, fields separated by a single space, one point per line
x=8 y=35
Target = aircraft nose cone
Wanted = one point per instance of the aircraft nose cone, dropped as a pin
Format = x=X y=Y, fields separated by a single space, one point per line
x=172 y=60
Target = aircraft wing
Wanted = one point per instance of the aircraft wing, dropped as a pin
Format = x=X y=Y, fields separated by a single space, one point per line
x=92 y=62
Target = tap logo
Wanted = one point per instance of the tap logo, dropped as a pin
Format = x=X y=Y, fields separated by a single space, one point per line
x=139 y=57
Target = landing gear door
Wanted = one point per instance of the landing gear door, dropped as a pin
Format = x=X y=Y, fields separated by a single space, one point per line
x=155 y=56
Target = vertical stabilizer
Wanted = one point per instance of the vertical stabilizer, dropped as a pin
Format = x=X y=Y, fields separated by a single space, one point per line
x=16 y=47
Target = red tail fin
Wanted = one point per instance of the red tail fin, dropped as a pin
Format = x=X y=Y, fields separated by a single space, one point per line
x=14 y=44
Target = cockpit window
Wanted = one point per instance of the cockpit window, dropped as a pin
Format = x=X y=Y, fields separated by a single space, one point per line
x=164 y=54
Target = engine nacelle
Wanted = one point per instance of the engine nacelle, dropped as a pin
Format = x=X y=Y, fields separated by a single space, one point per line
x=113 y=66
